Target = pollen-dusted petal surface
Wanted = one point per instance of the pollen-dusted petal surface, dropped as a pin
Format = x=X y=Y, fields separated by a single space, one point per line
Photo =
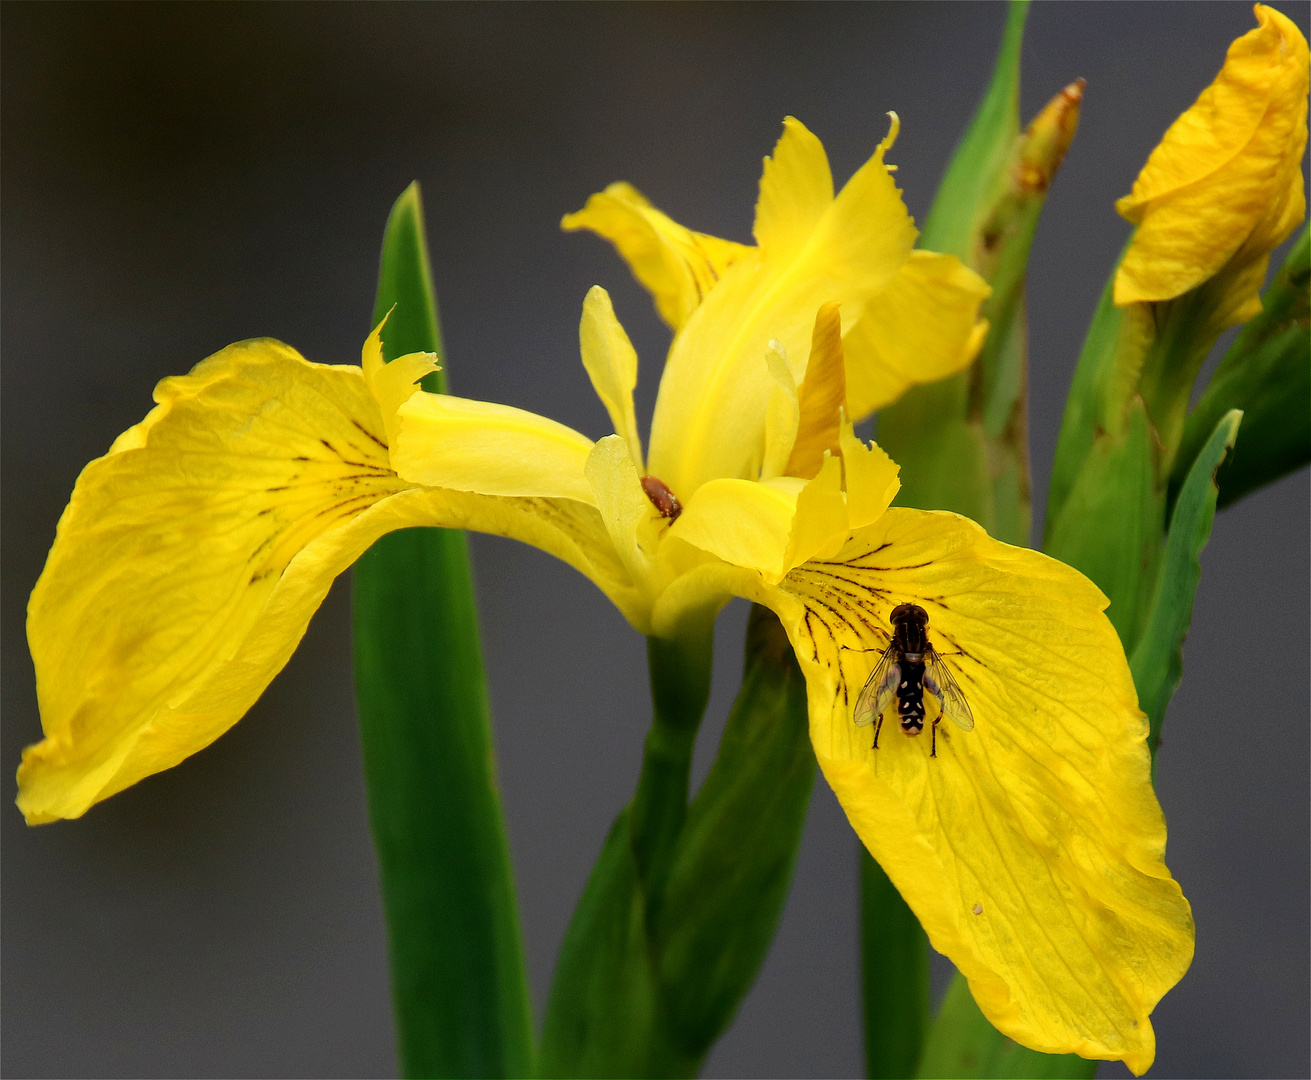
x=489 y=449
x=710 y=411
x=677 y=266
x=1031 y=848
x=1227 y=170
x=170 y=550
x=923 y=327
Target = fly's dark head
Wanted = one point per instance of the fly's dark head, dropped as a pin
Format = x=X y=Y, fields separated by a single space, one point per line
x=911 y=614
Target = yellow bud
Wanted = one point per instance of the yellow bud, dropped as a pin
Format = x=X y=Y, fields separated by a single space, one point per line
x=1224 y=187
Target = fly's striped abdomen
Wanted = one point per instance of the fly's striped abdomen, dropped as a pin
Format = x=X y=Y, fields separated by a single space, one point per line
x=910 y=697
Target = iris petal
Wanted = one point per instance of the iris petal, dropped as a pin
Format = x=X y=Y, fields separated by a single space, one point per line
x=489 y=449
x=1031 y=848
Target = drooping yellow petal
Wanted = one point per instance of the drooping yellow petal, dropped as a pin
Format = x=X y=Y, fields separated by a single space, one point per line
x=676 y=265
x=821 y=396
x=923 y=327
x=490 y=449
x=191 y=558
x=710 y=412
x=1031 y=848
x=392 y=384
x=611 y=363
x=796 y=188
x=1227 y=172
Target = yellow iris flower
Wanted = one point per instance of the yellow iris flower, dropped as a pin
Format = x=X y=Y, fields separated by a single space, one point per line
x=193 y=555
x=1224 y=186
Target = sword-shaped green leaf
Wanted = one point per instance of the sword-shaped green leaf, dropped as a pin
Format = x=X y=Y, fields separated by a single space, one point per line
x=1157 y=661
x=458 y=981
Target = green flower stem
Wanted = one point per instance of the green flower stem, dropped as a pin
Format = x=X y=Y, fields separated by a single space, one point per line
x=458 y=980
x=663 y=946
x=680 y=690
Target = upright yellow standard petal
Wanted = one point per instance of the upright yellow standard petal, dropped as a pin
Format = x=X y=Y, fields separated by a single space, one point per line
x=1031 y=848
x=1225 y=184
x=677 y=266
x=710 y=412
x=923 y=327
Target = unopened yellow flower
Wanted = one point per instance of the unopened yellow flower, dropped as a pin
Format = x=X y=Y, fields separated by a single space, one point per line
x=1224 y=187
x=192 y=556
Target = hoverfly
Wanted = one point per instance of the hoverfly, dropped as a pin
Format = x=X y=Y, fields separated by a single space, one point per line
x=908 y=667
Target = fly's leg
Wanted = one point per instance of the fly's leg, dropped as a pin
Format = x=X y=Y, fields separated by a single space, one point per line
x=933 y=738
x=878 y=726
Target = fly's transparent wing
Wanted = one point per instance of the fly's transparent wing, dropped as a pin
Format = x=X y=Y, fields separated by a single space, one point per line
x=939 y=681
x=876 y=694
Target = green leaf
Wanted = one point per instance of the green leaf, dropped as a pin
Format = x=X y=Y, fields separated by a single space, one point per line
x=963 y=1044
x=732 y=868
x=1157 y=661
x=679 y=912
x=458 y=980
x=931 y=432
x=1111 y=525
x=976 y=174
x=1267 y=374
x=895 y=970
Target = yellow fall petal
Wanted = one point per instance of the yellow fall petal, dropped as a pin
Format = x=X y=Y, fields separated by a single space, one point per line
x=1032 y=847
x=676 y=265
x=490 y=449
x=192 y=556
x=923 y=327
x=611 y=363
x=1227 y=174
x=710 y=412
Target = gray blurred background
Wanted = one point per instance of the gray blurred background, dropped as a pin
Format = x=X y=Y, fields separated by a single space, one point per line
x=180 y=177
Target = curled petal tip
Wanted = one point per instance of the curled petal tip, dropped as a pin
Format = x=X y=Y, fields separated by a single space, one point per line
x=894 y=129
